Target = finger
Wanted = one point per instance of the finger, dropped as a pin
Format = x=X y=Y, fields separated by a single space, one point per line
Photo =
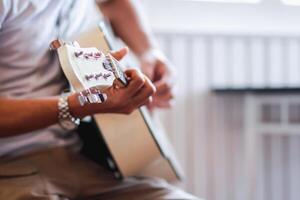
x=162 y=87
x=119 y=54
x=146 y=102
x=153 y=105
x=137 y=81
x=146 y=91
x=132 y=107
x=117 y=84
x=160 y=71
x=165 y=101
x=162 y=104
x=164 y=97
x=148 y=71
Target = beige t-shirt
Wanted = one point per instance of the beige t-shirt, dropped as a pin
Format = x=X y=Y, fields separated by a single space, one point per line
x=28 y=69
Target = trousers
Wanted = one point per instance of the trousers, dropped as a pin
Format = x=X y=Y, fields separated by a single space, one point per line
x=61 y=174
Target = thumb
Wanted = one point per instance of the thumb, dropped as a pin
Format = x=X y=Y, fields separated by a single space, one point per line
x=119 y=54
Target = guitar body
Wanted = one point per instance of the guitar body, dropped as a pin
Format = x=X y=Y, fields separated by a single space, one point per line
x=136 y=146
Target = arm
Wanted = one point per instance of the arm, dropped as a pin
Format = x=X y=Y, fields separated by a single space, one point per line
x=18 y=116
x=21 y=116
x=129 y=24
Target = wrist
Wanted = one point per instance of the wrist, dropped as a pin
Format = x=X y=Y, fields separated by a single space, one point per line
x=151 y=56
x=65 y=118
x=75 y=108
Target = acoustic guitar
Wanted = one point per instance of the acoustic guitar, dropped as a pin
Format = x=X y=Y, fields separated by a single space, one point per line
x=136 y=145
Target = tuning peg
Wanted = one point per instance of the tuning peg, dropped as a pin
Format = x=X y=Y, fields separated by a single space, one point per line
x=77 y=54
x=91 y=96
x=88 y=77
x=82 y=99
x=105 y=76
x=55 y=44
x=97 y=76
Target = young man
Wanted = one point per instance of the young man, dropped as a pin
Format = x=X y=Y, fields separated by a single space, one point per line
x=38 y=158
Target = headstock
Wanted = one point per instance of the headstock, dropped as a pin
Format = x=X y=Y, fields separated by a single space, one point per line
x=88 y=70
x=87 y=65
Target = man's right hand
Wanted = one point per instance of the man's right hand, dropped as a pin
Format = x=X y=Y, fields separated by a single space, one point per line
x=121 y=100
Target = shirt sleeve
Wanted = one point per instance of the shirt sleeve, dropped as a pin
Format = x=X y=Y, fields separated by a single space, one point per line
x=4 y=9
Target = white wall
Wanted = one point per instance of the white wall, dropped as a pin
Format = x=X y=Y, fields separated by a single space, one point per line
x=224 y=153
x=193 y=16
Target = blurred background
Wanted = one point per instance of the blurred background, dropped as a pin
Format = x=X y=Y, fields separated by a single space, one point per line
x=236 y=123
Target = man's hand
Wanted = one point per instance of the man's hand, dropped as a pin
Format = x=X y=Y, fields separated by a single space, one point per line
x=160 y=72
x=122 y=100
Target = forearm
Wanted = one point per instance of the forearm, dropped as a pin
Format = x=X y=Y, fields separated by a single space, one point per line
x=19 y=116
x=128 y=24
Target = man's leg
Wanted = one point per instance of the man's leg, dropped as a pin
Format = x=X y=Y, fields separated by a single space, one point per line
x=101 y=184
x=145 y=189
x=19 y=179
x=62 y=174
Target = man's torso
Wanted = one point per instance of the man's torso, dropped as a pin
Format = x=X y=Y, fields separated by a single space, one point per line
x=27 y=68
